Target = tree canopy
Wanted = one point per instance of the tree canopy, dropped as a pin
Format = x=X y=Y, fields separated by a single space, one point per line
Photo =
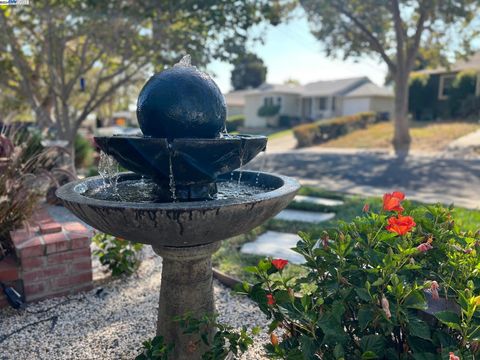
x=66 y=58
x=249 y=72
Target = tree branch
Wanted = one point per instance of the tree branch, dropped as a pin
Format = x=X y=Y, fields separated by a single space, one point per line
x=399 y=33
x=412 y=49
x=371 y=38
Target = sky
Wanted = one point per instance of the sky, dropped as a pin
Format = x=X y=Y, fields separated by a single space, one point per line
x=290 y=51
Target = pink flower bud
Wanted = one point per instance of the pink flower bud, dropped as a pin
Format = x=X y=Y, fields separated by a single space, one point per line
x=386 y=307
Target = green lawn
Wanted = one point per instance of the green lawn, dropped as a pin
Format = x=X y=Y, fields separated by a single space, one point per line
x=230 y=261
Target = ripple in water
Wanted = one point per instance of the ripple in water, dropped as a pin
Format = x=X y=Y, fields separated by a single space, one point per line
x=144 y=191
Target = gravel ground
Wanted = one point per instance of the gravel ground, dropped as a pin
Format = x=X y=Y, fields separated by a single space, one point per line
x=108 y=325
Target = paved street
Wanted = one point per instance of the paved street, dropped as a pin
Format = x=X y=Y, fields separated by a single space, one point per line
x=425 y=178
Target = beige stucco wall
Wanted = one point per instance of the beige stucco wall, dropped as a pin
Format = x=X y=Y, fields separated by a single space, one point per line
x=290 y=106
x=383 y=104
x=235 y=110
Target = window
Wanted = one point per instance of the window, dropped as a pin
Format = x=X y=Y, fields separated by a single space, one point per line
x=445 y=86
x=279 y=101
x=322 y=103
x=333 y=103
x=268 y=101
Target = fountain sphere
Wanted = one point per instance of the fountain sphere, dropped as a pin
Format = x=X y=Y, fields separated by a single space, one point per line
x=181 y=102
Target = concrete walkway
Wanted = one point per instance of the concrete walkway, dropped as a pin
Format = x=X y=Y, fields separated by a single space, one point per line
x=466 y=145
x=425 y=178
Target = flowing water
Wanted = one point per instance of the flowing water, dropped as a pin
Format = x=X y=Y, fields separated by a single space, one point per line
x=137 y=191
x=108 y=170
x=171 y=178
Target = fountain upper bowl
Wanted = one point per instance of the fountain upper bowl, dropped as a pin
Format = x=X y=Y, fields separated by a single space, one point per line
x=181 y=224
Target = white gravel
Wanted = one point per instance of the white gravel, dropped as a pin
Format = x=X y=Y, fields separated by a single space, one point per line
x=110 y=325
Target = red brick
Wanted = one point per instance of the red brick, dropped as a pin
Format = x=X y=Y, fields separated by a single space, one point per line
x=79 y=240
x=73 y=280
x=32 y=290
x=44 y=274
x=19 y=236
x=56 y=243
x=33 y=263
x=50 y=228
x=31 y=248
x=3 y=302
x=8 y=269
x=68 y=256
x=82 y=266
x=75 y=227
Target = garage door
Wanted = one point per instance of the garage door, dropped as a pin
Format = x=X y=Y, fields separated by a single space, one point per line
x=355 y=105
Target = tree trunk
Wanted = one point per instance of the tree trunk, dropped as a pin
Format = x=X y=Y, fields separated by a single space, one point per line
x=401 y=138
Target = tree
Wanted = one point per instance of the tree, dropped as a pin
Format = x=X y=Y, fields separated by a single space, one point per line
x=249 y=72
x=394 y=30
x=66 y=58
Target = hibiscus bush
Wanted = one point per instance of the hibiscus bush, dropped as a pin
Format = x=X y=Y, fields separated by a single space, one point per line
x=398 y=283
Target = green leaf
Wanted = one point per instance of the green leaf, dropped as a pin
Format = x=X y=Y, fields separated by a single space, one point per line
x=373 y=345
x=338 y=352
x=419 y=329
x=363 y=294
x=449 y=318
x=416 y=300
x=364 y=317
x=369 y=355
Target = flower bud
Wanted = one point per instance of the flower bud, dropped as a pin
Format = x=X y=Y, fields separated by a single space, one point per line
x=274 y=339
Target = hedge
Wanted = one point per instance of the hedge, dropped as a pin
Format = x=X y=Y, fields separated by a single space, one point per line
x=234 y=122
x=324 y=130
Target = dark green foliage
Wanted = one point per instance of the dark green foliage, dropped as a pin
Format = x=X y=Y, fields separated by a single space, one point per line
x=422 y=96
x=463 y=88
x=121 y=256
x=249 y=71
x=234 y=122
x=323 y=130
x=83 y=152
x=268 y=110
x=365 y=291
x=155 y=349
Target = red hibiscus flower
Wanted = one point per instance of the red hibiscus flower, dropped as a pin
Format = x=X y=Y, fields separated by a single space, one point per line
x=270 y=299
x=453 y=356
x=279 y=263
x=392 y=202
x=400 y=224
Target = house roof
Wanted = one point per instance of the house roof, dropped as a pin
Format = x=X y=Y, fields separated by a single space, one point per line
x=370 y=90
x=277 y=88
x=472 y=63
x=333 y=87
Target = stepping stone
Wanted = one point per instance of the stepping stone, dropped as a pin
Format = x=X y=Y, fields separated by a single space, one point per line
x=304 y=216
x=275 y=244
x=317 y=200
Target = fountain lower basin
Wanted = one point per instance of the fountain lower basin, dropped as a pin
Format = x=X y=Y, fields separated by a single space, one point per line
x=181 y=224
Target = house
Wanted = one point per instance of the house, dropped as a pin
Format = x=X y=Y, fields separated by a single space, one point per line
x=430 y=95
x=236 y=102
x=269 y=103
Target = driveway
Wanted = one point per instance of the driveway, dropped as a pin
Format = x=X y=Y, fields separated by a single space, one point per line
x=425 y=178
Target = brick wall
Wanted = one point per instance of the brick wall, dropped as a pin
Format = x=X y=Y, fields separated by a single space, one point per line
x=52 y=259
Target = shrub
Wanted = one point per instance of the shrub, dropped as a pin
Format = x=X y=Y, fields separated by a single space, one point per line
x=234 y=122
x=83 y=152
x=421 y=96
x=402 y=283
x=24 y=178
x=226 y=340
x=288 y=121
x=268 y=110
x=463 y=87
x=325 y=130
x=121 y=256
x=470 y=107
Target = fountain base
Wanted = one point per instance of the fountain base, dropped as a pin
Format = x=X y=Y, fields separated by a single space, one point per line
x=186 y=288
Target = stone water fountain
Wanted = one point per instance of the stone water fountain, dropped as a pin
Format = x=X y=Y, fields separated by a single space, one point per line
x=183 y=194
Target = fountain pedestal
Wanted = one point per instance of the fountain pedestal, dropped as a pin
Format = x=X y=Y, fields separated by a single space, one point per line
x=186 y=288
